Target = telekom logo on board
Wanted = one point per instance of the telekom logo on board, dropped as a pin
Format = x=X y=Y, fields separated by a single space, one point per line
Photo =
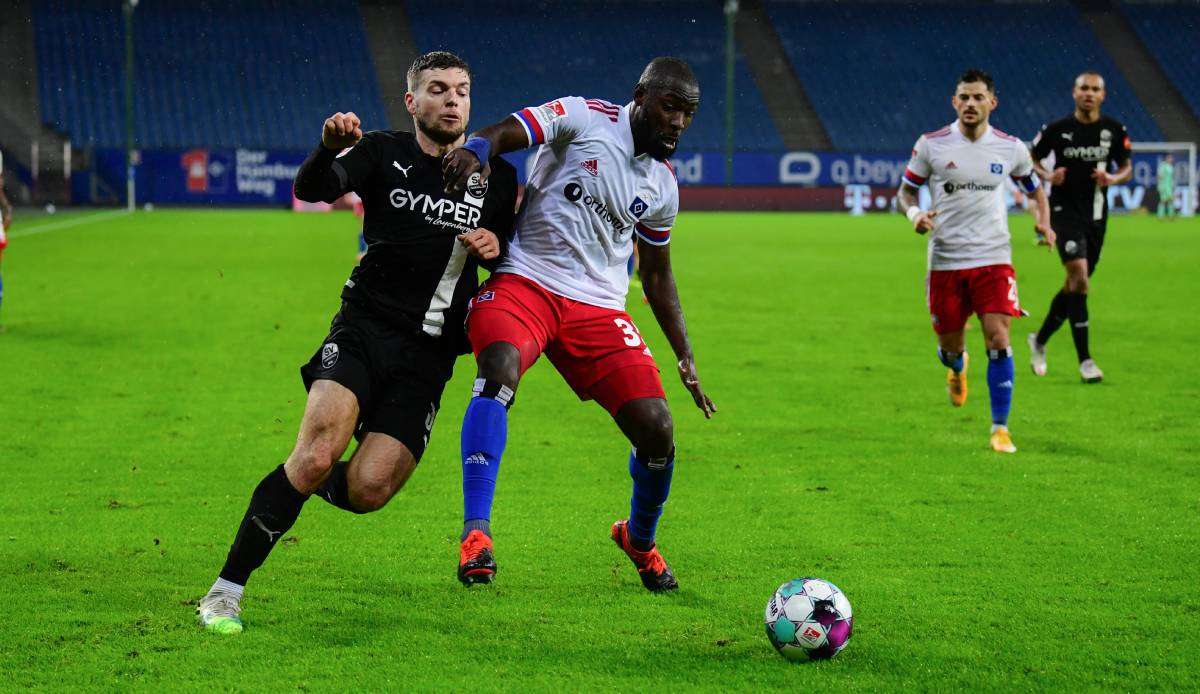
x=195 y=165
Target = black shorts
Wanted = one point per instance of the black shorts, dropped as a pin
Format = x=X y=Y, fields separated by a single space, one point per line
x=1078 y=238
x=397 y=375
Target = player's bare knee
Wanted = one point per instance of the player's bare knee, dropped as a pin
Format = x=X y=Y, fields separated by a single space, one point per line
x=315 y=454
x=500 y=362
x=378 y=470
x=656 y=430
x=308 y=466
x=372 y=495
x=952 y=342
x=997 y=339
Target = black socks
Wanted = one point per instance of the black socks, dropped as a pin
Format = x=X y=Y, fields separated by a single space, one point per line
x=1068 y=306
x=1054 y=317
x=336 y=489
x=273 y=509
x=1077 y=311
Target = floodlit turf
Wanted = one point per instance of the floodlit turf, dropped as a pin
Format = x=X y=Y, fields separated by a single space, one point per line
x=150 y=380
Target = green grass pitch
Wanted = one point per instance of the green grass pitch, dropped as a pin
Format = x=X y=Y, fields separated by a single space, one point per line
x=150 y=380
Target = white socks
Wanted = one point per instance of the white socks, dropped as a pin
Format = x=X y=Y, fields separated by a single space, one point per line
x=229 y=587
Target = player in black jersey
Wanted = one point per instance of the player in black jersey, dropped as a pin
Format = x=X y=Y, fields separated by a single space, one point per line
x=379 y=374
x=1091 y=152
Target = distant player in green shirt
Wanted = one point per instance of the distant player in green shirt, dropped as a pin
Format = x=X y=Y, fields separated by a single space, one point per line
x=1166 y=187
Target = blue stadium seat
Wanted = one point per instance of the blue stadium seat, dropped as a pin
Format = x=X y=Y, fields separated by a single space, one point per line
x=879 y=74
x=256 y=73
x=529 y=52
x=1172 y=34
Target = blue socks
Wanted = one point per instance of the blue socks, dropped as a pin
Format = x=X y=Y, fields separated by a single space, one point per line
x=1000 y=384
x=651 y=486
x=484 y=432
x=951 y=359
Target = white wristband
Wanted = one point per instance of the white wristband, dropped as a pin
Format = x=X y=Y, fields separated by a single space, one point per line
x=912 y=213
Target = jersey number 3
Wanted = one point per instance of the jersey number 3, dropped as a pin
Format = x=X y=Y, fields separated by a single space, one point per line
x=632 y=337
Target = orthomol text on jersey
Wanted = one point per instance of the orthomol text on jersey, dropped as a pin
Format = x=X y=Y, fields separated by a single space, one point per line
x=466 y=213
x=575 y=193
x=951 y=187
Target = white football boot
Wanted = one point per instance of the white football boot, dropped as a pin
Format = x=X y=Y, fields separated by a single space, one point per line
x=1037 y=355
x=218 y=612
x=1089 y=372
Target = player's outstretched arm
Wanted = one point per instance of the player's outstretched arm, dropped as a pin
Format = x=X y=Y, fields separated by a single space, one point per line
x=317 y=180
x=658 y=282
x=908 y=203
x=498 y=138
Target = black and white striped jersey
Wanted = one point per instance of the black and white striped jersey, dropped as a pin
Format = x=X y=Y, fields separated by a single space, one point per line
x=1082 y=148
x=415 y=273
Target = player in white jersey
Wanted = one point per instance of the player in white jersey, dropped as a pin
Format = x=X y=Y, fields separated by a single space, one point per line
x=5 y=222
x=970 y=253
x=600 y=178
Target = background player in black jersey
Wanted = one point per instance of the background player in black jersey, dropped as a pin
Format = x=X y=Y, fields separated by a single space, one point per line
x=1087 y=146
x=391 y=348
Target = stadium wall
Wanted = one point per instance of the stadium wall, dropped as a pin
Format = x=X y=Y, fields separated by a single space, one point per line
x=858 y=182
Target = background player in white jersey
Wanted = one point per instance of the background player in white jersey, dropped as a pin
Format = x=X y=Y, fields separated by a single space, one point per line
x=6 y=211
x=970 y=254
x=600 y=178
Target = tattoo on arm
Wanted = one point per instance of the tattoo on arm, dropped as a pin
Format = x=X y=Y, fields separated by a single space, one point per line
x=906 y=197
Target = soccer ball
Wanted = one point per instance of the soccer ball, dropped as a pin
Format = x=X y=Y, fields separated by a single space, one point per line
x=809 y=617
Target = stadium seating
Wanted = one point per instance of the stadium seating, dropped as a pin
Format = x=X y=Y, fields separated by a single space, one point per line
x=248 y=75
x=1172 y=35
x=879 y=74
x=529 y=53
x=263 y=73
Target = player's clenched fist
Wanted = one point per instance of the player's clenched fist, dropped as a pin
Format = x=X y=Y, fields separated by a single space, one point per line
x=481 y=243
x=457 y=167
x=341 y=130
x=923 y=221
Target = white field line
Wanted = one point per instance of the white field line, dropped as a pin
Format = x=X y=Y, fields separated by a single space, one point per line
x=67 y=223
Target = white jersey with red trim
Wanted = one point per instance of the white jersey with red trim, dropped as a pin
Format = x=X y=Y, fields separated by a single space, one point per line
x=3 y=233
x=586 y=197
x=966 y=182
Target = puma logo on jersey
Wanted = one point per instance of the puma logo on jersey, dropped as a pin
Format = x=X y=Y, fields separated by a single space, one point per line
x=1069 y=137
x=403 y=169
